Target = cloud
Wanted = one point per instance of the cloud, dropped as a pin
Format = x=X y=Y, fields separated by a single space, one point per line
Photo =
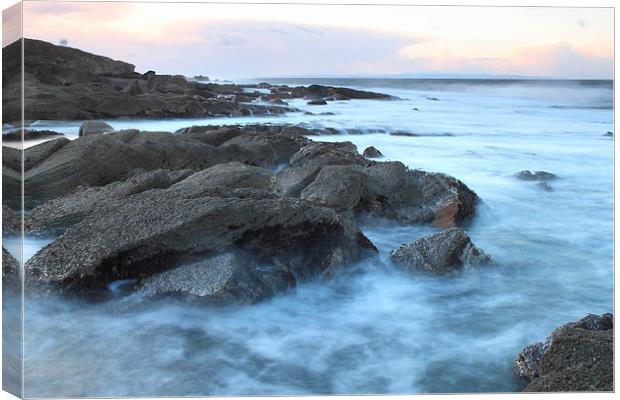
x=195 y=43
x=11 y=24
x=562 y=60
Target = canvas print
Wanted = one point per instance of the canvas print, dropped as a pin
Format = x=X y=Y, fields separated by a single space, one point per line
x=227 y=199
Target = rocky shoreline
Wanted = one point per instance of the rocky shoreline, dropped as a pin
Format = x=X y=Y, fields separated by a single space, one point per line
x=62 y=83
x=224 y=215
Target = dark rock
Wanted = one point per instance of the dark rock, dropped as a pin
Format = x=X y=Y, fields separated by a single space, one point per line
x=527 y=175
x=390 y=190
x=201 y=78
x=97 y=160
x=147 y=76
x=29 y=134
x=338 y=97
x=278 y=102
x=63 y=212
x=94 y=128
x=11 y=159
x=149 y=232
x=210 y=135
x=415 y=109
x=443 y=253
x=134 y=88
x=577 y=356
x=400 y=133
x=317 y=103
x=609 y=134
x=372 y=152
x=220 y=280
x=61 y=83
x=337 y=187
x=432 y=98
x=36 y=154
x=319 y=91
x=412 y=196
x=10 y=270
x=11 y=222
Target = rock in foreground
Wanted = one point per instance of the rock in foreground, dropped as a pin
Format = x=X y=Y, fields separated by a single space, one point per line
x=153 y=231
x=577 y=356
x=220 y=280
x=443 y=253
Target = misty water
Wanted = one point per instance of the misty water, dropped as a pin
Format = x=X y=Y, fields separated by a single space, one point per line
x=372 y=329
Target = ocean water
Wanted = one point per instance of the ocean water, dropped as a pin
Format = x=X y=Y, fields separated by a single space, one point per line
x=372 y=329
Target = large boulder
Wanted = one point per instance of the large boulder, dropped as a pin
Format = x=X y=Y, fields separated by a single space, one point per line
x=149 y=232
x=577 y=356
x=94 y=128
x=377 y=189
x=443 y=253
x=219 y=280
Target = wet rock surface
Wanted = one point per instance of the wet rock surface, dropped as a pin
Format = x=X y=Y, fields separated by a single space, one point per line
x=156 y=199
x=527 y=175
x=577 y=356
x=174 y=211
x=443 y=253
x=149 y=232
x=220 y=280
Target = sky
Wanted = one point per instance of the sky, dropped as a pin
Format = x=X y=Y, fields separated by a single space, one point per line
x=252 y=40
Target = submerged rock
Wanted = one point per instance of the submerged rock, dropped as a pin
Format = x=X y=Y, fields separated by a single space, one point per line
x=317 y=103
x=527 y=175
x=372 y=152
x=94 y=127
x=219 y=280
x=577 y=356
x=440 y=254
x=406 y=134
